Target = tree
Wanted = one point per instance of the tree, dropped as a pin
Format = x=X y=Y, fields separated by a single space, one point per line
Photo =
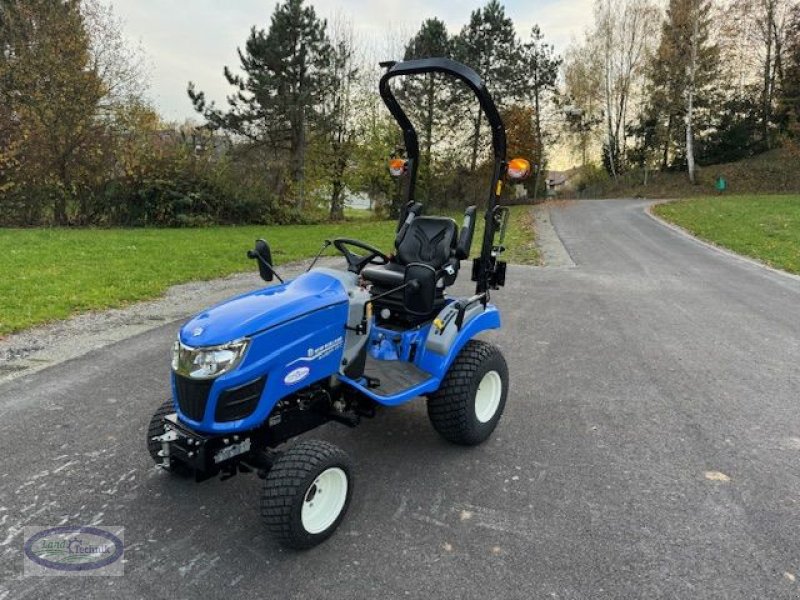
x=623 y=37
x=694 y=19
x=683 y=74
x=540 y=77
x=280 y=92
x=523 y=141
x=378 y=141
x=51 y=93
x=735 y=131
x=489 y=44
x=582 y=99
x=10 y=141
x=423 y=97
x=338 y=123
x=378 y=136
x=790 y=99
x=762 y=27
x=122 y=67
x=10 y=126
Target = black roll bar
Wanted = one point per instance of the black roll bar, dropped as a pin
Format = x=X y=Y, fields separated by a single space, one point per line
x=475 y=83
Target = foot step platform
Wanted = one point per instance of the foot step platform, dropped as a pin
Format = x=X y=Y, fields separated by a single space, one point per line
x=395 y=375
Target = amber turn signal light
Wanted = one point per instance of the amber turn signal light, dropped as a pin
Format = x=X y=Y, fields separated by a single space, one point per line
x=518 y=169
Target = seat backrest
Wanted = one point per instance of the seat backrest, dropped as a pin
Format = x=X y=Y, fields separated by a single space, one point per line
x=429 y=240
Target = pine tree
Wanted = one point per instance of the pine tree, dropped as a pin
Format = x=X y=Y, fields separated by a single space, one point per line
x=682 y=77
x=423 y=97
x=489 y=44
x=280 y=94
x=790 y=99
x=541 y=74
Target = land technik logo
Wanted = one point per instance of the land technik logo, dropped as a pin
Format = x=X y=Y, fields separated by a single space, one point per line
x=74 y=550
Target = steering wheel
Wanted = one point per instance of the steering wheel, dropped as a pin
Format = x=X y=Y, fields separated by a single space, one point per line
x=356 y=262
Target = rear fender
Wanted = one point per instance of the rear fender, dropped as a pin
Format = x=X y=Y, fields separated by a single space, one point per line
x=437 y=356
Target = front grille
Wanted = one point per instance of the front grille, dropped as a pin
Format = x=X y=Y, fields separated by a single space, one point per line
x=192 y=396
x=239 y=402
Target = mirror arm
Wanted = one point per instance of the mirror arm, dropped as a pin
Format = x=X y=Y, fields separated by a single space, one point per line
x=325 y=246
x=256 y=255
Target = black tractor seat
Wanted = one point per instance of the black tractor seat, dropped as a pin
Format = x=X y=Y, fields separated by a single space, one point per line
x=428 y=240
x=433 y=241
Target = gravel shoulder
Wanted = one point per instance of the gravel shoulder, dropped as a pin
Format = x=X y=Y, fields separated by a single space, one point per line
x=551 y=249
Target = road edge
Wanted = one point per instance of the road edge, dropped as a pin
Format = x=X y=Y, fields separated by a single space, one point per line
x=648 y=210
x=553 y=253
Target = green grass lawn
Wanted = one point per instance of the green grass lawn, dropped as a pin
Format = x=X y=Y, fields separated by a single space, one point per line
x=764 y=227
x=48 y=274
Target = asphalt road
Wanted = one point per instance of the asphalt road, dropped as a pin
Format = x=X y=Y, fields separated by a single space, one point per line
x=649 y=449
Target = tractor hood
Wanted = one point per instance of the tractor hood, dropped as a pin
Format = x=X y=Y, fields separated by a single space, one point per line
x=263 y=309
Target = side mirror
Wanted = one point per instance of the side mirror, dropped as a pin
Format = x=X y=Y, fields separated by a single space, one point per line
x=420 y=292
x=264 y=256
x=519 y=169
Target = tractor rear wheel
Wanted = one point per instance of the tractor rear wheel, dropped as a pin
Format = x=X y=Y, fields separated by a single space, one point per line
x=468 y=405
x=307 y=493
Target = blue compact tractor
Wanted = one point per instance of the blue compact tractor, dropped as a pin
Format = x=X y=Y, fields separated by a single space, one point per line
x=256 y=371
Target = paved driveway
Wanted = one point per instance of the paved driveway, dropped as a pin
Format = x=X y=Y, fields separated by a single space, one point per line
x=649 y=449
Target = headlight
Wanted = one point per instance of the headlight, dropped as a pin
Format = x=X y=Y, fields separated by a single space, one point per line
x=208 y=362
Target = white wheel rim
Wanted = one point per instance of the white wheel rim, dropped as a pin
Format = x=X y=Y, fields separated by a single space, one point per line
x=487 y=398
x=324 y=500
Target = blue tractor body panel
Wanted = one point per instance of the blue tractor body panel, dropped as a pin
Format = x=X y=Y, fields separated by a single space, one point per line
x=297 y=334
x=250 y=313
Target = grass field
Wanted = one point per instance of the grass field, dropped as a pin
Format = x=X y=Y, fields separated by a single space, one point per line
x=763 y=227
x=48 y=274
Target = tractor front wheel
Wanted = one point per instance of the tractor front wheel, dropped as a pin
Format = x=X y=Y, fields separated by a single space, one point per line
x=468 y=405
x=306 y=493
x=156 y=428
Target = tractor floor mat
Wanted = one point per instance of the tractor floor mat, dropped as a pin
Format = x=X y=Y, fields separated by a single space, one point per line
x=395 y=376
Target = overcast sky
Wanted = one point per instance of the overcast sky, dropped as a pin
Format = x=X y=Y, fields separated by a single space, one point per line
x=194 y=39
